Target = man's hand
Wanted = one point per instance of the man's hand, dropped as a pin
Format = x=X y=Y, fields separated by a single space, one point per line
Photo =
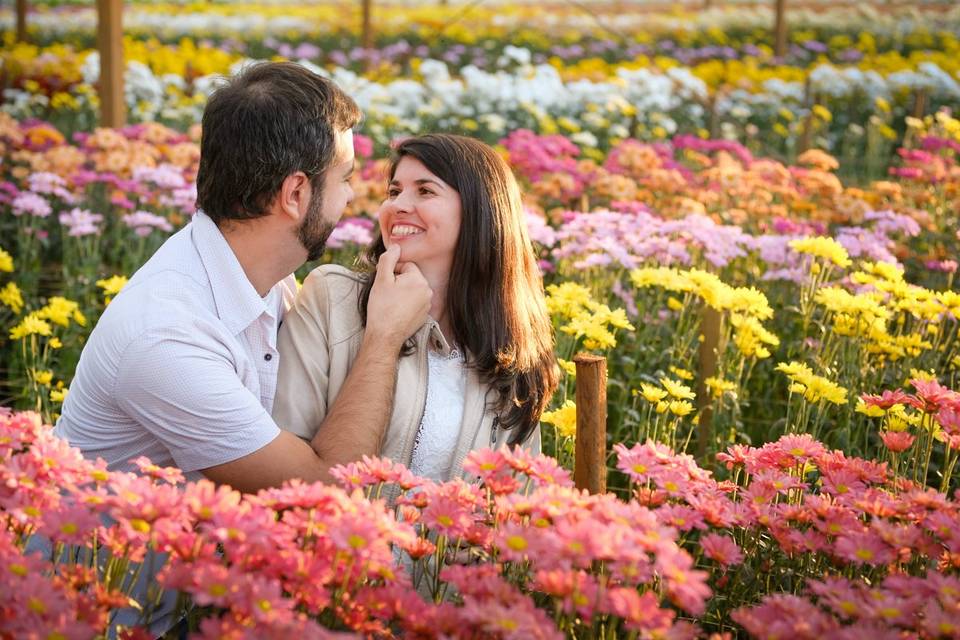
x=399 y=300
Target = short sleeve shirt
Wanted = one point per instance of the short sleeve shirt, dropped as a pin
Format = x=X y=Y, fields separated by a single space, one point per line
x=182 y=365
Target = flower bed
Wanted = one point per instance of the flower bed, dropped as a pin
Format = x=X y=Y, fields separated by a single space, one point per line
x=801 y=542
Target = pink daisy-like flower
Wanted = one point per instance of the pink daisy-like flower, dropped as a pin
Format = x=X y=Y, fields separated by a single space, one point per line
x=863 y=548
x=931 y=396
x=81 y=222
x=680 y=517
x=722 y=549
x=886 y=399
x=144 y=223
x=897 y=441
x=801 y=447
x=32 y=204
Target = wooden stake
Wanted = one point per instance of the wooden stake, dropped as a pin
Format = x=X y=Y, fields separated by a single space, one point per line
x=780 y=29
x=366 y=33
x=21 y=20
x=919 y=103
x=113 y=111
x=590 y=459
x=710 y=328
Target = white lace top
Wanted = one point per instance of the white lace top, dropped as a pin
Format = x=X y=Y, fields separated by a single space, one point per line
x=442 y=415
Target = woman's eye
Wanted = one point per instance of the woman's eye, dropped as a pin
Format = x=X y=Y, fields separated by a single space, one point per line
x=426 y=192
x=393 y=193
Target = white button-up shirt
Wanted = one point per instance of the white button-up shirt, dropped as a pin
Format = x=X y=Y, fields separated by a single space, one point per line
x=182 y=366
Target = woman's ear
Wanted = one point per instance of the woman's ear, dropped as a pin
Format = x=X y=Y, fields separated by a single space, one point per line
x=293 y=199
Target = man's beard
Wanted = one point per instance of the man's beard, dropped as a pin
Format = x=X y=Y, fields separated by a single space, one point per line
x=314 y=231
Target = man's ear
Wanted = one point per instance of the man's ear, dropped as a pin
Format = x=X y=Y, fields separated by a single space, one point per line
x=293 y=198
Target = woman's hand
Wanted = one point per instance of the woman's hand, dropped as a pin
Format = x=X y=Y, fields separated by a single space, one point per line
x=399 y=300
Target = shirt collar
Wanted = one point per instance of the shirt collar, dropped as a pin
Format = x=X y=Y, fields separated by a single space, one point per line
x=238 y=303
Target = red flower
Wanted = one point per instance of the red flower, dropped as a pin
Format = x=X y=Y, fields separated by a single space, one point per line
x=897 y=441
x=886 y=399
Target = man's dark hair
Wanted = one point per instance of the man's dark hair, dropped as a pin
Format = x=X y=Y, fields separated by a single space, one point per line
x=271 y=120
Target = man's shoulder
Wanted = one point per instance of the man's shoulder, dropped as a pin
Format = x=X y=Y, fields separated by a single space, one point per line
x=165 y=301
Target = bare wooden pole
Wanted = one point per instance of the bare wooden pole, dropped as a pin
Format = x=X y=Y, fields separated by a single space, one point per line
x=21 y=20
x=110 y=42
x=366 y=33
x=780 y=29
x=919 y=103
x=590 y=452
x=710 y=328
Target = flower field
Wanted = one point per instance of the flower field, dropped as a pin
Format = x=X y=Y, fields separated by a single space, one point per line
x=845 y=85
x=764 y=249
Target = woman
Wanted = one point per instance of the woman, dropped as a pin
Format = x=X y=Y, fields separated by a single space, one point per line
x=481 y=370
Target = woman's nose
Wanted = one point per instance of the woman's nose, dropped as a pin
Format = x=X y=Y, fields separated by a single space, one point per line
x=403 y=203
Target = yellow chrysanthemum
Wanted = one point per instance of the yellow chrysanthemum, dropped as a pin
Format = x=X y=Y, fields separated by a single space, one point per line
x=59 y=310
x=569 y=367
x=719 y=386
x=6 y=261
x=683 y=374
x=824 y=248
x=11 y=297
x=813 y=387
x=564 y=419
x=32 y=324
x=681 y=408
x=869 y=410
x=677 y=389
x=111 y=286
x=650 y=393
x=567 y=299
x=751 y=337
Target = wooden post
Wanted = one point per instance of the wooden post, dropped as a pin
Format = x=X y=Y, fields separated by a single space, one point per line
x=710 y=328
x=110 y=43
x=919 y=103
x=21 y=20
x=590 y=454
x=780 y=29
x=366 y=33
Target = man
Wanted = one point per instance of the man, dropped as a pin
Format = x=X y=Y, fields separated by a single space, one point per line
x=182 y=366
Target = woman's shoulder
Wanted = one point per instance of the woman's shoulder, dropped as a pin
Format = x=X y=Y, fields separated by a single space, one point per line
x=331 y=292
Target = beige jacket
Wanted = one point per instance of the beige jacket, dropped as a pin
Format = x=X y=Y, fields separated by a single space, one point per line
x=319 y=341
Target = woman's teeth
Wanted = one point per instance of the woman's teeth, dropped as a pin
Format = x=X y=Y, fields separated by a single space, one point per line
x=405 y=230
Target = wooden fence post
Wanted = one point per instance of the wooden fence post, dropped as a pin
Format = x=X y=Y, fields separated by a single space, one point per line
x=590 y=453
x=110 y=43
x=21 y=20
x=919 y=103
x=710 y=328
x=366 y=30
x=780 y=29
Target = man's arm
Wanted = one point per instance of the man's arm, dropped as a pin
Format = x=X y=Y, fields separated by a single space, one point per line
x=355 y=424
x=398 y=307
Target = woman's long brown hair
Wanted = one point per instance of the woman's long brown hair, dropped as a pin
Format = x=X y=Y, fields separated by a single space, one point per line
x=495 y=298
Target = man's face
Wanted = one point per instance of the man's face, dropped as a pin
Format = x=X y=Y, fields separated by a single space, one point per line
x=326 y=207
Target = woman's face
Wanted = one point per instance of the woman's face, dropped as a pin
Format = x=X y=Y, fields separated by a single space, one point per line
x=421 y=214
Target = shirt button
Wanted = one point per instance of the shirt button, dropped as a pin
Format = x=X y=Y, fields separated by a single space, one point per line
x=268 y=357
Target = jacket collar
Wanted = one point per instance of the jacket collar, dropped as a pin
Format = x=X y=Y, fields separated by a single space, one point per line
x=435 y=337
x=238 y=303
